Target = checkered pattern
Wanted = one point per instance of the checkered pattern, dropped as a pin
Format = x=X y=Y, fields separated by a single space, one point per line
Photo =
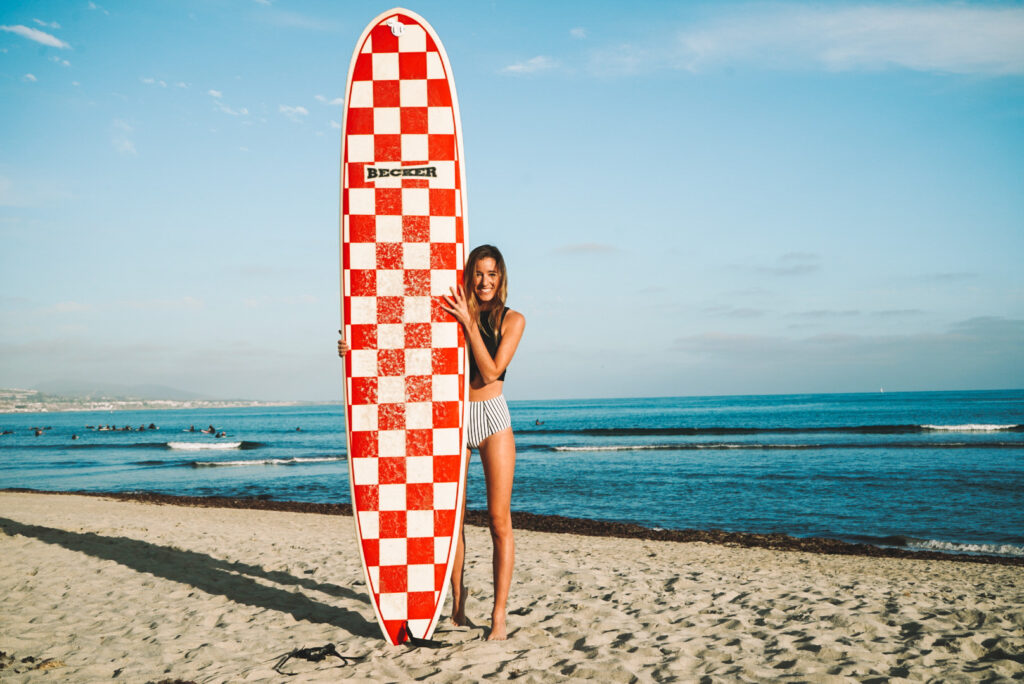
x=403 y=247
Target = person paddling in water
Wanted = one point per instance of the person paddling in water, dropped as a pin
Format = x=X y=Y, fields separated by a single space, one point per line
x=492 y=333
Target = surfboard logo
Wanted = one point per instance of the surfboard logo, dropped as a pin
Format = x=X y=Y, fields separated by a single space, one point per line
x=397 y=27
x=374 y=172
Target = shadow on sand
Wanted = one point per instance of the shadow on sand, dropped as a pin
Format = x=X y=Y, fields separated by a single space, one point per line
x=235 y=581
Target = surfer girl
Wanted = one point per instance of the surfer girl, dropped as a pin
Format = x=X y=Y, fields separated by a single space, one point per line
x=492 y=333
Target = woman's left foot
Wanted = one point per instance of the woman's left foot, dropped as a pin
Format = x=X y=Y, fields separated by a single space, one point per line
x=498 y=630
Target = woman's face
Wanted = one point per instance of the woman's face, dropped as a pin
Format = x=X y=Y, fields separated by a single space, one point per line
x=486 y=279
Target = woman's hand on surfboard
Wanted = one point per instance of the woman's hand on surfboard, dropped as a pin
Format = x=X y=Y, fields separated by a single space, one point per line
x=457 y=306
x=342 y=346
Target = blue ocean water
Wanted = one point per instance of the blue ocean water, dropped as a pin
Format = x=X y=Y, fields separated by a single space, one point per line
x=936 y=470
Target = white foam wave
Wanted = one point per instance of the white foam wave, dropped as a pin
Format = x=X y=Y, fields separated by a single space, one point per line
x=987 y=549
x=669 y=447
x=203 y=446
x=266 y=462
x=969 y=427
x=613 y=447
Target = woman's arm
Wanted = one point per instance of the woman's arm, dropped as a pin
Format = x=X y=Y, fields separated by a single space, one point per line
x=511 y=332
x=342 y=346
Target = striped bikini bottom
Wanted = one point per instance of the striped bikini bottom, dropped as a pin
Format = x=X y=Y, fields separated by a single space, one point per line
x=486 y=418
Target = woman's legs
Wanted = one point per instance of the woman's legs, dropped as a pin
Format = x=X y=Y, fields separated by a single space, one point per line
x=498 y=455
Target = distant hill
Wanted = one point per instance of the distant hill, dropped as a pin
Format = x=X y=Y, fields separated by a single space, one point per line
x=69 y=388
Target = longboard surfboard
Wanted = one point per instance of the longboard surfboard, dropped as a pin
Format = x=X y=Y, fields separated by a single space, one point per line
x=403 y=245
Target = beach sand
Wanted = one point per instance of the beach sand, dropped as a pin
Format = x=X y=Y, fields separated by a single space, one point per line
x=96 y=589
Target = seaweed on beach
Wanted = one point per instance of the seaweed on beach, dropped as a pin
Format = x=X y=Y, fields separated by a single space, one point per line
x=557 y=524
x=28 y=663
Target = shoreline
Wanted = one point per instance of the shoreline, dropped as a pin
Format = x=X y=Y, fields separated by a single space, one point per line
x=555 y=524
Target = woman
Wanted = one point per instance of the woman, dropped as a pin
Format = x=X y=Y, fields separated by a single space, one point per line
x=492 y=333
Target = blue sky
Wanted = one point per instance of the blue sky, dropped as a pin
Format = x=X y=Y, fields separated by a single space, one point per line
x=693 y=198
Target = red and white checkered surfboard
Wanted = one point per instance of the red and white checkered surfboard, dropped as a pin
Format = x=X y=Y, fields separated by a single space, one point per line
x=403 y=245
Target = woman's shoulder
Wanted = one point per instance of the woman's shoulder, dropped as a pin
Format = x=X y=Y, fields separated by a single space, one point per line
x=514 y=319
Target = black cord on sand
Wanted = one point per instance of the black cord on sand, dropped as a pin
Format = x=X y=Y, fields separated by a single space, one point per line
x=314 y=654
x=405 y=637
x=318 y=654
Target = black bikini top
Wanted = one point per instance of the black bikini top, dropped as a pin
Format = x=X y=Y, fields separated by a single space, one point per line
x=492 y=340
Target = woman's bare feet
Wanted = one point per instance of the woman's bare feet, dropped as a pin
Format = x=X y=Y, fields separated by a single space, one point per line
x=498 y=629
x=459 y=608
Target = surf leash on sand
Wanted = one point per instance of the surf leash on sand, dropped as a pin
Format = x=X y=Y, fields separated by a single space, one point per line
x=314 y=654
x=405 y=637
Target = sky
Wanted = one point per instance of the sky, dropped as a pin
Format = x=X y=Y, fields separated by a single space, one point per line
x=693 y=198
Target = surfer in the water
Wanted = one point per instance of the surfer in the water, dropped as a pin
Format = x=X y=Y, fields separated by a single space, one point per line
x=492 y=333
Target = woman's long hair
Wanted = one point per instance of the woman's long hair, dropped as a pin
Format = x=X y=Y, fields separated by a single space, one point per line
x=497 y=304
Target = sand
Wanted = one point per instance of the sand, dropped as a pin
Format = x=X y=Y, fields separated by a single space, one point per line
x=96 y=589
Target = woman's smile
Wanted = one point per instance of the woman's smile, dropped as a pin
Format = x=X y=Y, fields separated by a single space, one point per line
x=485 y=279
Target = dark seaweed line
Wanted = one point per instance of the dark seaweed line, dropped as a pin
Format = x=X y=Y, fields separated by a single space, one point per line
x=562 y=525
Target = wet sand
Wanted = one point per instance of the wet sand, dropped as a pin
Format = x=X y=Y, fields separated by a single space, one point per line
x=208 y=590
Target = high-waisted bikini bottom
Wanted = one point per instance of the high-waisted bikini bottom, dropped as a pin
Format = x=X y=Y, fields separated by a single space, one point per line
x=486 y=418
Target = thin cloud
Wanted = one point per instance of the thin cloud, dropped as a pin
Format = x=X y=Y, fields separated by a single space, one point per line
x=221 y=107
x=531 y=66
x=978 y=352
x=41 y=37
x=185 y=303
x=952 y=39
x=726 y=311
x=121 y=137
x=271 y=301
x=326 y=101
x=949 y=277
x=586 y=249
x=791 y=264
x=68 y=307
x=898 y=313
x=294 y=20
x=819 y=314
x=45 y=24
x=31 y=78
x=229 y=111
x=578 y=32
x=294 y=113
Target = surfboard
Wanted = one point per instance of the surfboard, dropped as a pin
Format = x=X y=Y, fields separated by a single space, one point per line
x=403 y=245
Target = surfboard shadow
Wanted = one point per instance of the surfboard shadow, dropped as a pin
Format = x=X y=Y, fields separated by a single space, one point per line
x=235 y=581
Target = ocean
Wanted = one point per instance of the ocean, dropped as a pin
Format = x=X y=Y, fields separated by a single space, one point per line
x=921 y=470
